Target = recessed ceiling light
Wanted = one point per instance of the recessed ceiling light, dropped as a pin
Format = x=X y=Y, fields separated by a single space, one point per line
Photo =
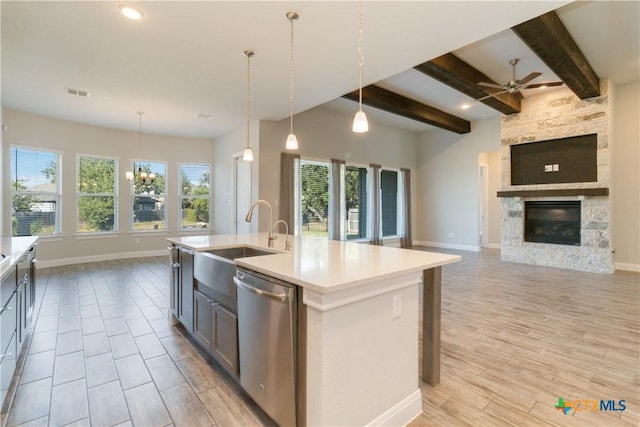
x=465 y=106
x=204 y=116
x=130 y=12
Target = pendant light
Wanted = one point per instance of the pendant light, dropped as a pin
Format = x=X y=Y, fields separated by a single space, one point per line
x=360 y=123
x=292 y=141
x=144 y=177
x=247 y=155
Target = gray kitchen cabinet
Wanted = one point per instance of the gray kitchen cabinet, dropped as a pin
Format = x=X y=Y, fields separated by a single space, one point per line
x=203 y=320
x=8 y=322
x=224 y=346
x=185 y=298
x=174 y=264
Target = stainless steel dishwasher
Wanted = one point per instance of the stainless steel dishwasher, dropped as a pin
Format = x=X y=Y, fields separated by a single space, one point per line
x=267 y=330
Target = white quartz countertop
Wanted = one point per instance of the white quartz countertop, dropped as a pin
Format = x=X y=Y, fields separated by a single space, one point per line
x=13 y=248
x=320 y=264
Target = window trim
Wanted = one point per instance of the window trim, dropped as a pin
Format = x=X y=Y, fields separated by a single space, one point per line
x=298 y=197
x=57 y=194
x=182 y=196
x=133 y=195
x=116 y=204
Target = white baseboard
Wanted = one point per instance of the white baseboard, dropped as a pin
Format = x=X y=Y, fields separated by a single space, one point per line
x=447 y=246
x=626 y=267
x=402 y=413
x=102 y=257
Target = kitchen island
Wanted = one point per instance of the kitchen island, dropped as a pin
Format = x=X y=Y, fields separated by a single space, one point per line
x=357 y=323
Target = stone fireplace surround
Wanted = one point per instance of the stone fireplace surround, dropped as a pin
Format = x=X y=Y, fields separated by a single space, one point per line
x=559 y=114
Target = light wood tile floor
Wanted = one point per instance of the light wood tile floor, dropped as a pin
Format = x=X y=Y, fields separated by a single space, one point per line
x=103 y=353
x=515 y=338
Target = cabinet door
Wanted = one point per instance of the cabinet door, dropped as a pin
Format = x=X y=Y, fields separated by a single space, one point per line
x=174 y=279
x=7 y=367
x=185 y=309
x=225 y=340
x=203 y=320
x=21 y=308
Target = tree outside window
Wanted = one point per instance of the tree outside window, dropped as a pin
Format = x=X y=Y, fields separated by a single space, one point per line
x=148 y=199
x=314 y=210
x=194 y=196
x=35 y=192
x=96 y=194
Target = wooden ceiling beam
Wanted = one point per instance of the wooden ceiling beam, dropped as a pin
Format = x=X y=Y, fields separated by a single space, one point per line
x=454 y=72
x=382 y=99
x=547 y=36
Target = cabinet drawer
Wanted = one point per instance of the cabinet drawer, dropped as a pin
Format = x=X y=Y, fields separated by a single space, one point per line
x=8 y=322
x=8 y=287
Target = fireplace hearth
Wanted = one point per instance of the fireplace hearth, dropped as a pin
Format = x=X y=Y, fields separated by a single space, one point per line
x=555 y=222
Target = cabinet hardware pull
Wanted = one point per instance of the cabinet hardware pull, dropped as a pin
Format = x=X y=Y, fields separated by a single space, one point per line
x=271 y=295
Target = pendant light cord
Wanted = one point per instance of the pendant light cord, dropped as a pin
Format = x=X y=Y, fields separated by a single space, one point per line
x=291 y=79
x=249 y=54
x=360 y=55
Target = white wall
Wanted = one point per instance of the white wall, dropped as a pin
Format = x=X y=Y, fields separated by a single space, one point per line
x=494 y=159
x=222 y=183
x=447 y=184
x=32 y=130
x=625 y=188
x=324 y=134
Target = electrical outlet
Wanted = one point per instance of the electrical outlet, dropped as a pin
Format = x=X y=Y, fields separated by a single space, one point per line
x=397 y=306
x=137 y=240
x=452 y=234
x=548 y=168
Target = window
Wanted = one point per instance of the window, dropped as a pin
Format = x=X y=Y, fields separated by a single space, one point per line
x=356 y=202
x=314 y=198
x=390 y=183
x=96 y=194
x=149 y=196
x=35 y=192
x=194 y=196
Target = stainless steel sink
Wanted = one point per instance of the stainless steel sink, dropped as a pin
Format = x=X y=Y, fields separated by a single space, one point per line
x=238 y=252
x=215 y=270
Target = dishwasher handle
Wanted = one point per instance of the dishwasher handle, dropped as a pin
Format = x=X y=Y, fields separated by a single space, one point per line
x=270 y=295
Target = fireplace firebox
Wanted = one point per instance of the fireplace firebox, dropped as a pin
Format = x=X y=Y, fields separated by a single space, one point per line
x=556 y=222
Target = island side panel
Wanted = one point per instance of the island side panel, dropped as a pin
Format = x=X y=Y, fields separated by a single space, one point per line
x=361 y=362
x=431 y=314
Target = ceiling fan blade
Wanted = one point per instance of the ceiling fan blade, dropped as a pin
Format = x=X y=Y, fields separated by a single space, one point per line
x=528 y=78
x=491 y=95
x=537 y=85
x=493 y=85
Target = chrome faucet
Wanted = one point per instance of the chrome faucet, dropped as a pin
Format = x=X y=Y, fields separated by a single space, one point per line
x=287 y=243
x=270 y=237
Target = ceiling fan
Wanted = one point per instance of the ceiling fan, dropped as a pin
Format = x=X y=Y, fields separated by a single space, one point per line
x=514 y=85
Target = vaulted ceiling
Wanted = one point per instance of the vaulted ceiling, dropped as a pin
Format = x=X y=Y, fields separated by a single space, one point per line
x=185 y=58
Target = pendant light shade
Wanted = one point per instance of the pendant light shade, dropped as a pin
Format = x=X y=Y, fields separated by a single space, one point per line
x=247 y=155
x=292 y=141
x=360 y=123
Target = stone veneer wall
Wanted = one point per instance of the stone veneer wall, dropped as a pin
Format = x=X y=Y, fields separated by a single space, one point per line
x=560 y=114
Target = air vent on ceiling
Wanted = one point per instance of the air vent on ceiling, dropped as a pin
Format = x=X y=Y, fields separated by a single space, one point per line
x=77 y=92
x=204 y=116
